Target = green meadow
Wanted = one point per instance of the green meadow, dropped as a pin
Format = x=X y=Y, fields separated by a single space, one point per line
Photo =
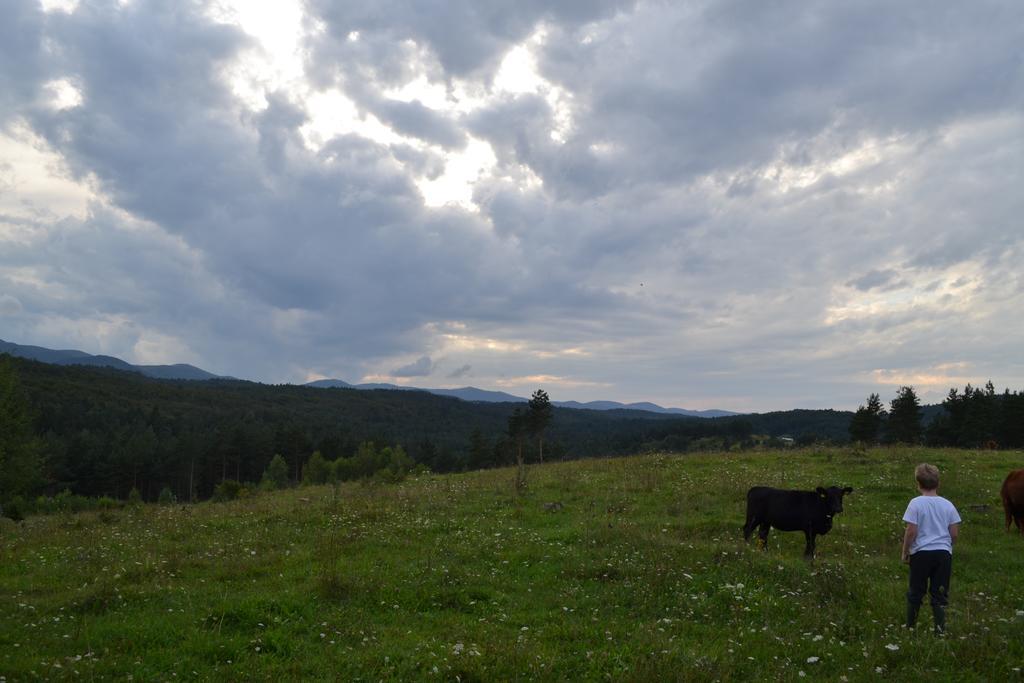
x=620 y=569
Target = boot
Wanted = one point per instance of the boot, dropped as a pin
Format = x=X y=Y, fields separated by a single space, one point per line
x=939 y=616
x=912 y=610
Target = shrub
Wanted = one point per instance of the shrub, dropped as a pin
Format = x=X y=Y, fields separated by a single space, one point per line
x=14 y=509
x=317 y=470
x=107 y=516
x=167 y=496
x=229 y=489
x=398 y=463
x=390 y=464
x=276 y=475
x=134 y=497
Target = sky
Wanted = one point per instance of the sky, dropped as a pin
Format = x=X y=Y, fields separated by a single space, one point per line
x=749 y=206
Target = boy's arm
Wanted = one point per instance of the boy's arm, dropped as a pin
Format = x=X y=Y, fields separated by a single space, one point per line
x=954 y=531
x=908 y=540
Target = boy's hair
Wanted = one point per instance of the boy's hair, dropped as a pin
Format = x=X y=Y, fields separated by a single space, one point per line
x=927 y=476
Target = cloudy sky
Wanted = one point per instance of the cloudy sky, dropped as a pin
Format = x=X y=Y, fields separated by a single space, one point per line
x=740 y=205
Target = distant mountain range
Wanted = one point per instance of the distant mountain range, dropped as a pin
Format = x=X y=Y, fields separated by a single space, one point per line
x=190 y=372
x=482 y=395
x=73 y=357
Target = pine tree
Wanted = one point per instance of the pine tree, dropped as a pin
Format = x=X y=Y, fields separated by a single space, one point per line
x=538 y=418
x=904 y=424
x=867 y=421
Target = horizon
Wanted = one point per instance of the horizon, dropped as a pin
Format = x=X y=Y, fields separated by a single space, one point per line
x=455 y=387
x=709 y=206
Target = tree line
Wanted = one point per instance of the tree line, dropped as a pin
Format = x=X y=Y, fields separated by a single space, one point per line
x=971 y=418
x=102 y=432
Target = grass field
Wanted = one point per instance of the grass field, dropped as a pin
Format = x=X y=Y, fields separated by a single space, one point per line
x=641 y=574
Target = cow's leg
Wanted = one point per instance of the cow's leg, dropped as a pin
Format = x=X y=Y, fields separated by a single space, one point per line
x=809 y=549
x=1019 y=518
x=1010 y=516
x=762 y=535
x=748 y=528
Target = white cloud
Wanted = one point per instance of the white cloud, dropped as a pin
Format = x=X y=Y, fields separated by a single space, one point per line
x=66 y=6
x=35 y=183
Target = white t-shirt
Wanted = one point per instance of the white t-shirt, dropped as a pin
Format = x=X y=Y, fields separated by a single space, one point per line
x=933 y=516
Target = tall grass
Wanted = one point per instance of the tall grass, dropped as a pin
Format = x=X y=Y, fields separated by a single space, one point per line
x=639 y=574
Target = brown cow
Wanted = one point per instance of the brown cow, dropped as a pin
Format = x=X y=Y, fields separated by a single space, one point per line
x=1013 y=499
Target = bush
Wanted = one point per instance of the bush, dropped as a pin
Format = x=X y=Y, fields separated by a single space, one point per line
x=134 y=497
x=107 y=503
x=167 y=496
x=229 y=489
x=14 y=509
x=390 y=464
x=66 y=502
x=317 y=470
x=276 y=475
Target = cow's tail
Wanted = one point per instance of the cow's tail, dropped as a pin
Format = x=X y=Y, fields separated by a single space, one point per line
x=748 y=526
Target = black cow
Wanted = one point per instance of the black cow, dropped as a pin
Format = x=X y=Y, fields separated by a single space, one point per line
x=808 y=511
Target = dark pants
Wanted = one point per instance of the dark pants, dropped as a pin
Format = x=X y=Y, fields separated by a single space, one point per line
x=929 y=573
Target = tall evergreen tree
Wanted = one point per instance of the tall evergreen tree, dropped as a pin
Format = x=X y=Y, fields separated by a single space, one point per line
x=867 y=421
x=980 y=421
x=904 y=423
x=538 y=418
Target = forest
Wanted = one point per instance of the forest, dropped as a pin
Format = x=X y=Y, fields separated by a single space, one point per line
x=104 y=432
x=97 y=431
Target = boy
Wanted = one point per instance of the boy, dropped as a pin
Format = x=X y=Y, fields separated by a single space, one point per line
x=932 y=527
